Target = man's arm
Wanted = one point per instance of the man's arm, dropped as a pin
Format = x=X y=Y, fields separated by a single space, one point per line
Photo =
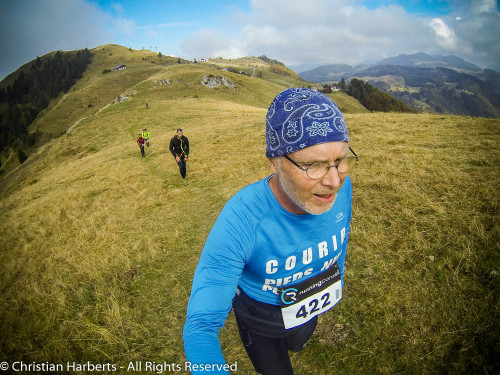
x=214 y=285
x=171 y=147
x=186 y=149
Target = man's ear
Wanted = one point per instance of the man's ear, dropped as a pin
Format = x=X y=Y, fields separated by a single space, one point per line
x=273 y=164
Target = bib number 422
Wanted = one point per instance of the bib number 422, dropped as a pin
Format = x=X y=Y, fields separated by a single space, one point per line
x=314 y=306
x=304 y=310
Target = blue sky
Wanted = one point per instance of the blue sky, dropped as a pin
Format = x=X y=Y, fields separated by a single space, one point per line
x=424 y=7
x=302 y=34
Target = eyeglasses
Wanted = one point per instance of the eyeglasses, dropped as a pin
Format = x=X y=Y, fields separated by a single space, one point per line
x=318 y=170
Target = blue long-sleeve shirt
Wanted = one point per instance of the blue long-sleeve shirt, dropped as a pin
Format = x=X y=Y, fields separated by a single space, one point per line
x=256 y=244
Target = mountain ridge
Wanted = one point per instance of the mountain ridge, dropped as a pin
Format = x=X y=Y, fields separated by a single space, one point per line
x=423 y=60
x=457 y=86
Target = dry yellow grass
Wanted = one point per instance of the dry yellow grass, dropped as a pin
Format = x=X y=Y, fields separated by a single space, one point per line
x=99 y=246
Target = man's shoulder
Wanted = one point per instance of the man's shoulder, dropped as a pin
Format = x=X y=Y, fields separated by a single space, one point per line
x=248 y=207
x=257 y=187
x=347 y=183
x=347 y=186
x=344 y=196
x=253 y=197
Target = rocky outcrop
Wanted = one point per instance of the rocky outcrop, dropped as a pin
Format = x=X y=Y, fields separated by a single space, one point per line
x=217 y=81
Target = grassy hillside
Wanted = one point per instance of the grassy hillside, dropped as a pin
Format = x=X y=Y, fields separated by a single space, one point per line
x=148 y=70
x=99 y=246
x=347 y=103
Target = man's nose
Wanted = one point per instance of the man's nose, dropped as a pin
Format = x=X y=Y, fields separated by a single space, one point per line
x=331 y=178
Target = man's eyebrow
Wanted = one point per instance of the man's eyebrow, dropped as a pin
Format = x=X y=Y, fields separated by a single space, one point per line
x=307 y=162
x=313 y=161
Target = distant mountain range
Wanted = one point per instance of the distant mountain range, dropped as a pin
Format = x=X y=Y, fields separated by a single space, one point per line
x=438 y=84
x=423 y=60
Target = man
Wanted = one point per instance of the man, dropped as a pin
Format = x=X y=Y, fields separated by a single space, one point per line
x=145 y=135
x=179 y=147
x=276 y=253
x=140 y=142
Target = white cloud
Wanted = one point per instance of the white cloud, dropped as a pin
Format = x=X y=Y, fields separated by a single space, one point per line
x=118 y=8
x=324 y=31
x=343 y=31
x=211 y=43
x=174 y=24
x=484 y=6
x=477 y=32
x=445 y=36
x=33 y=28
x=126 y=26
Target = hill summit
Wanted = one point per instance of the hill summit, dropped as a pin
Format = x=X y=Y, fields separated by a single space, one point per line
x=115 y=74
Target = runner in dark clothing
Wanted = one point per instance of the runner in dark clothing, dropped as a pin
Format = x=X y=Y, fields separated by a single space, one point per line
x=140 y=142
x=179 y=147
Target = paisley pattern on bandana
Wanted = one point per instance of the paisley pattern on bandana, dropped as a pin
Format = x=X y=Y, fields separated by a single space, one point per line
x=272 y=138
x=299 y=118
x=319 y=128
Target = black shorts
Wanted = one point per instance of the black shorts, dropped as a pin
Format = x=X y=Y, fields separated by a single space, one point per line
x=264 y=336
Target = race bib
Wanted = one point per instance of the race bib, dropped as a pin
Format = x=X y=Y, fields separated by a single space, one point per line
x=302 y=302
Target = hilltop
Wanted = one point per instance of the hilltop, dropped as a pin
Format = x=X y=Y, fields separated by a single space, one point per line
x=145 y=76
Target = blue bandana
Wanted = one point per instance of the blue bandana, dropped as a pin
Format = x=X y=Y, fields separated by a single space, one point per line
x=299 y=118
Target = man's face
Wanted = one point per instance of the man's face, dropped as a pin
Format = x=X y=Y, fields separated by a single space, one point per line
x=302 y=195
x=179 y=134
